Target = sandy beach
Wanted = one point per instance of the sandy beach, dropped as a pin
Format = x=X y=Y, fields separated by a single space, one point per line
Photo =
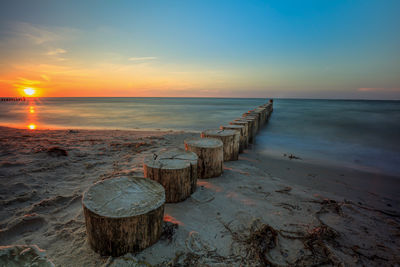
x=262 y=211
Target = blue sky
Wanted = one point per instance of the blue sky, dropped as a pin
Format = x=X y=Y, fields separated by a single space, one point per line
x=309 y=49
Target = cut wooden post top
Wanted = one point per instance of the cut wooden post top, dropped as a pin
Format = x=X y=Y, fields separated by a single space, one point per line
x=222 y=132
x=244 y=119
x=171 y=159
x=204 y=142
x=232 y=126
x=250 y=116
x=254 y=114
x=239 y=122
x=124 y=197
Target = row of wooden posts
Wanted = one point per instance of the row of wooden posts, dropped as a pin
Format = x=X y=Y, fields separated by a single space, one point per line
x=13 y=99
x=125 y=214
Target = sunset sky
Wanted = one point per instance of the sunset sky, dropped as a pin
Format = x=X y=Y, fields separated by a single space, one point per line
x=307 y=49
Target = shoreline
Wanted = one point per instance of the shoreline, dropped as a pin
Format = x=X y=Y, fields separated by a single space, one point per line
x=41 y=192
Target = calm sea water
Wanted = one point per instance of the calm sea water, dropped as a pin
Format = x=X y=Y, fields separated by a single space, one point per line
x=358 y=134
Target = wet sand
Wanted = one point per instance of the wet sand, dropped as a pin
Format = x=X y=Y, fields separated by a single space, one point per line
x=262 y=211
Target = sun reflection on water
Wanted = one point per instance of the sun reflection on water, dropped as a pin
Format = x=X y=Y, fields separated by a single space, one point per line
x=32 y=114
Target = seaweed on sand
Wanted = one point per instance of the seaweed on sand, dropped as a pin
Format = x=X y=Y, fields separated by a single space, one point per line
x=316 y=242
x=261 y=241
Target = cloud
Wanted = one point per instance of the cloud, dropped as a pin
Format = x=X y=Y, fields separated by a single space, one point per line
x=27 y=33
x=56 y=52
x=45 y=77
x=370 y=89
x=141 y=58
x=25 y=81
x=378 y=89
x=22 y=83
x=37 y=35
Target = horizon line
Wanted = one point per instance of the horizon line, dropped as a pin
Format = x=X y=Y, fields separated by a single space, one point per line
x=220 y=97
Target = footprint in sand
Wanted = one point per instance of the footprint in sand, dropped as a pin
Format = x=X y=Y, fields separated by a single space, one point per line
x=23 y=255
x=202 y=195
x=196 y=245
x=55 y=204
x=20 y=226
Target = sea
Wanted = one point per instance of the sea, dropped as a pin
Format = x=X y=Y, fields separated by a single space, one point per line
x=359 y=134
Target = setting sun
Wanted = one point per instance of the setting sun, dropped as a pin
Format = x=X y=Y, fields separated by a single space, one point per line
x=29 y=91
x=32 y=126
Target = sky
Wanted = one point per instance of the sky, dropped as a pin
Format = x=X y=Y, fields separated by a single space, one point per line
x=298 y=49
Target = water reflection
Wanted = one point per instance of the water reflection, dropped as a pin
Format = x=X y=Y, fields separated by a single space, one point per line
x=32 y=115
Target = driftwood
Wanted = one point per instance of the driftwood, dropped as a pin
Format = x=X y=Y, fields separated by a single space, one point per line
x=230 y=138
x=123 y=215
x=175 y=170
x=211 y=156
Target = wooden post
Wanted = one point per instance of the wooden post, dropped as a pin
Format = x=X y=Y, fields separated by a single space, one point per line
x=262 y=112
x=242 y=130
x=259 y=114
x=270 y=106
x=268 y=110
x=251 y=130
x=230 y=138
x=175 y=170
x=246 y=130
x=255 y=119
x=210 y=156
x=123 y=214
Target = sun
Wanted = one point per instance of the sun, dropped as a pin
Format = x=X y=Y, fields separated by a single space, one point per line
x=29 y=91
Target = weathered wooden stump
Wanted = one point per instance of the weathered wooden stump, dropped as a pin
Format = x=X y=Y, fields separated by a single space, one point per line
x=230 y=138
x=262 y=112
x=251 y=130
x=268 y=108
x=175 y=170
x=266 y=112
x=259 y=114
x=254 y=118
x=247 y=129
x=123 y=214
x=211 y=156
x=251 y=114
x=242 y=130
